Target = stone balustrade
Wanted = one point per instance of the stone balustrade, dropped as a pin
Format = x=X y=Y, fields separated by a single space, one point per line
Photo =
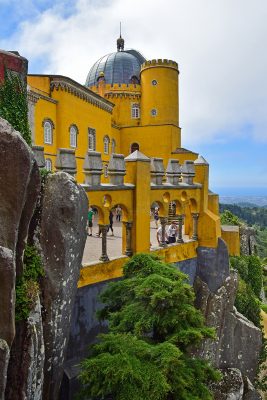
x=116 y=169
x=188 y=172
x=66 y=161
x=38 y=152
x=173 y=172
x=93 y=168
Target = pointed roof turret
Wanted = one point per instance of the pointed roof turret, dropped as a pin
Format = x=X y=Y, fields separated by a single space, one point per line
x=120 y=42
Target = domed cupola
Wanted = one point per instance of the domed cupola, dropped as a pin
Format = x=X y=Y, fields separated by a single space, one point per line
x=122 y=66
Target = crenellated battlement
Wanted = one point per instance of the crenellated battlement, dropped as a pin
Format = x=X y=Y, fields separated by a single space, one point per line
x=120 y=87
x=159 y=63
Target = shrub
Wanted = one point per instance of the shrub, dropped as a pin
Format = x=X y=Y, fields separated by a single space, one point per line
x=27 y=286
x=153 y=323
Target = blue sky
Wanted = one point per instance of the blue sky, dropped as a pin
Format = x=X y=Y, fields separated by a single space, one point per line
x=220 y=46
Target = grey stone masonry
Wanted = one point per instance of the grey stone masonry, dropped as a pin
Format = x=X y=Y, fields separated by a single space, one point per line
x=173 y=172
x=116 y=169
x=66 y=161
x=188 y=172
x=93 y=168
x=38 y=152
x=157 y=170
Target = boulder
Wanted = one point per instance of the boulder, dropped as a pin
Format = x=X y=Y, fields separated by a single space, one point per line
x=4 y=358
x=7 y=295
x=213 y=265
x=25 y=370
x=231 y=387
x=233 y=330
x=62 y=239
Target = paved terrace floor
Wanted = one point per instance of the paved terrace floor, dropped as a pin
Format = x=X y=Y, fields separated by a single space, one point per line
x=93 y=246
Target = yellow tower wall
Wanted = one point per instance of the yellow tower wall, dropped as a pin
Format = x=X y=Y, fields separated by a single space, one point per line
x=161 y=96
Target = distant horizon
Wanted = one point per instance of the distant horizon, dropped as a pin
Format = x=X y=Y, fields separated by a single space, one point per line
x=240 y=192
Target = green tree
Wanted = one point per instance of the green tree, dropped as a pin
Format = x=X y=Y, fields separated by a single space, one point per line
x=153 y=324
x=228 y=218
x=13 y=105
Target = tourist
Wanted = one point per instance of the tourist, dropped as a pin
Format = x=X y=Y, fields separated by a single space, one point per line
x=111 y=222
x=161 y=239
x=90 y=218
x=156 y=217
x=118 y=213
x=172 y=232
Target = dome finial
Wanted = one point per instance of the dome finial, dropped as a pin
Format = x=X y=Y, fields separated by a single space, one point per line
x=120 y=42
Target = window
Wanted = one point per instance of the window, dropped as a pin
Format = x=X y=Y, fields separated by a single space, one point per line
x=113 y=146
x=135 y=110
x=73 y=136
x=48 y=131
x=48 y=164
x=106 y=145
x=106 y=170
x=92 y=139
x=134 y=147
x=154 y=82
x=154 y=112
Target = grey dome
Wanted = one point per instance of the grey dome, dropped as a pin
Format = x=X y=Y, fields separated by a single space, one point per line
x=118 y=67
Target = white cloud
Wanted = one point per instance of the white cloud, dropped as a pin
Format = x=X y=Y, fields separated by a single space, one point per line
x=219 y=44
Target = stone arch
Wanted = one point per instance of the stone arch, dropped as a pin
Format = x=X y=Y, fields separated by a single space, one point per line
x=134 y=147
x=193 y=205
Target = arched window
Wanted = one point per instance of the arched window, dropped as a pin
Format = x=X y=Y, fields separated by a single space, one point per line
x=106 y=145
x=91 y=139
x=106 y=170
x=48 y=131
x=134 y=147
x=113 y=146
x=73 y=136
x=48 y=164
x=135 y=110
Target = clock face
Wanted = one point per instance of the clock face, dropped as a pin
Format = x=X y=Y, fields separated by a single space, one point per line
x=154 y=112
x=154 y=82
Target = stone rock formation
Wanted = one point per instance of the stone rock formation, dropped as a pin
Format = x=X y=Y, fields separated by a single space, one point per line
x=215 y=298
x=248 y=244
x=32 y=351
x=62 y=240
x=19 y=183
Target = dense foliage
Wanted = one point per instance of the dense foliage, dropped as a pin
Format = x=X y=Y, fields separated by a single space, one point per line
x=228 y=218
x=27 y=286
x=249 y=286
x=250 y=215
x=13 y=105
x=153 y=323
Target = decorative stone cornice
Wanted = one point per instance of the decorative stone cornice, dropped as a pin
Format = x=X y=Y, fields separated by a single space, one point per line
x=121 y=95
x=70 y=86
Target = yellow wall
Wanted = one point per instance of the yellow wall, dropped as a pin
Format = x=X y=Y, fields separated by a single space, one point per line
x=157 y=136
x=230 y=234
x=163 y=96
x=99 y=272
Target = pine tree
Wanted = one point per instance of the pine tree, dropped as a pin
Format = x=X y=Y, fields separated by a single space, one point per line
x=153 y=324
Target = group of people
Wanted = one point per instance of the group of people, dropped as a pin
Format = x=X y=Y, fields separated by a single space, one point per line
x=117 y=211
x=171 y=233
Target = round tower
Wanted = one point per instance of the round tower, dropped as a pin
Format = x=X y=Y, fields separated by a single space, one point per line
x=159 y=86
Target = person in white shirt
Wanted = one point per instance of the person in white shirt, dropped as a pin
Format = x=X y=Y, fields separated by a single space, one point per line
x=172 y=232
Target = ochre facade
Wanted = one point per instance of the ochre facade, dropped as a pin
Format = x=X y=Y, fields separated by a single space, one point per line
x=138 y=116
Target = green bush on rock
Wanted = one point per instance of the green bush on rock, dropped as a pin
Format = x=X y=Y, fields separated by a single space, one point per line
x=152 y=324
x=27 y=286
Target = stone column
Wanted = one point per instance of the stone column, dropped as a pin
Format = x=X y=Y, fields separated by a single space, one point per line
x=128 y=250
x=104 y=229
x=195 y=226
x=180 y=228
x=163 y=221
